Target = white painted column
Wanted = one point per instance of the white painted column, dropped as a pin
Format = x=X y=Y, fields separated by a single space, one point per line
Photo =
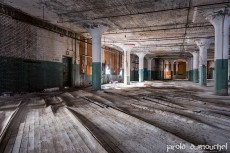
x=96 y=32
x=220 y=19
x=141 y=66
x=127 y=67
x=195 y=66
x=203 y=45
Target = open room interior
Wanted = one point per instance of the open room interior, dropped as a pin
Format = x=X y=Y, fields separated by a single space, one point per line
x=132 y=76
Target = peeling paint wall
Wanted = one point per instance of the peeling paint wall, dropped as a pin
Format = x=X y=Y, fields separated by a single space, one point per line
x=31 y=57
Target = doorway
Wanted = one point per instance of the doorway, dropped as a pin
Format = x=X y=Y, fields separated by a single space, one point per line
x=67 y=62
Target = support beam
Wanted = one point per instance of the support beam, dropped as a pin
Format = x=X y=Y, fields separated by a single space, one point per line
x=96 y=32
x=203 y=45
x=221 y=20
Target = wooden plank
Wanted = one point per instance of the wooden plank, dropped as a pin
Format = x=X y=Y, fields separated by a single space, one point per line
x=77 y=141
x=55 y=134
x=48 y=132
x=37 y=143
x=44 y=144
x=18 y=141
x=25 y=136
x=70 y=147
x=59 y=132
x=31 y=133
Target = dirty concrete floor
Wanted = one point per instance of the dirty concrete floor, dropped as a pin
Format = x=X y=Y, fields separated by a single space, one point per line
x=143 y=117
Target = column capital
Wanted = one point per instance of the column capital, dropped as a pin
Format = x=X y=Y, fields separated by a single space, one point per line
x=194 y=53
x=126 y=47
x=204 y=43
x=172 y=61
x=96 y=30
x=149 y=59
x=218 y=16
x=141 y=54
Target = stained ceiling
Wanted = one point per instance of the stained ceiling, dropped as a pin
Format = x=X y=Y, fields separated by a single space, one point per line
x=158 y=27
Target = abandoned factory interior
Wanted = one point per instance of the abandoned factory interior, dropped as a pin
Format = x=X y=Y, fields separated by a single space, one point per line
x=114 y=76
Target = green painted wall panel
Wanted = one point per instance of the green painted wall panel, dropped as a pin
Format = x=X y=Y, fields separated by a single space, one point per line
x=96 y=77
x=132 y=75
x=146 y=74
x=154 y=75
x=26 y=75
x=191 y=75
x=221 y=77
x=195 y=76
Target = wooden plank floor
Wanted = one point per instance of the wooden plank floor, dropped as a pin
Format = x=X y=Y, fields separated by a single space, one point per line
x=43 y=131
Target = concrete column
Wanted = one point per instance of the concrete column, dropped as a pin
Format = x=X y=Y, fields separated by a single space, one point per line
x=150 y=68
x=96 y=32
x=195 y=66
x=141 y=66
x=203 y=45
x=172 y=68
x=221 y=20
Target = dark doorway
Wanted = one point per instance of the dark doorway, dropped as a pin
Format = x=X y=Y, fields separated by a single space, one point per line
x=67 y=62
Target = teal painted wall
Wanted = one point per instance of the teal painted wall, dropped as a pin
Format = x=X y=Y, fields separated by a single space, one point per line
x=154 y=75
x=221 y=77
x=132 y=75
x=96 y=76
x=145 y=74
x=190 y=75
x=26 y=75
x=195 y=76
